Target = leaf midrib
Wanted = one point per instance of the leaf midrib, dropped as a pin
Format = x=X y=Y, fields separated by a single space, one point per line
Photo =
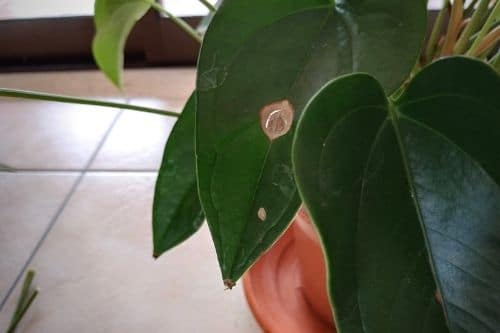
x=307 y=59
x=448 y=140
x=446 y=302
x=394 y=114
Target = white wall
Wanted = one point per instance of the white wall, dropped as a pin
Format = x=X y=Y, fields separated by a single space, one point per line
x=55 y=8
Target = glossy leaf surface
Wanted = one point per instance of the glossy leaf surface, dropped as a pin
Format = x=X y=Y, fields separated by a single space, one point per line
x=450 y=128
x=392 y=185
x=241 y=170
x=235 y=21
x=114 y=19
x=177 y=212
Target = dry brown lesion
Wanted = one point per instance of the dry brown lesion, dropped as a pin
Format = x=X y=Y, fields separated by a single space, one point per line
x=276 y=119
x=229 y=284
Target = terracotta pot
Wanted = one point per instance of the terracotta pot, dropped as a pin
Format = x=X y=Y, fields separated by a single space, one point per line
x=286 y=288
x=312 y=265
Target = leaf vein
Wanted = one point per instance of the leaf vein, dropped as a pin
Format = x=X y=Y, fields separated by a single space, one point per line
x=468 y=247
x=486 y=283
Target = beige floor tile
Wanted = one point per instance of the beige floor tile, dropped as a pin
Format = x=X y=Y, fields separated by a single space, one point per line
x=159 y=83
x=96 y=274
x=138 y=139
x=50 y=135
x=28 y=202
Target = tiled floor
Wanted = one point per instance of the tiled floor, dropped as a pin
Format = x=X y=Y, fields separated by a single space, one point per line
x=77 y=210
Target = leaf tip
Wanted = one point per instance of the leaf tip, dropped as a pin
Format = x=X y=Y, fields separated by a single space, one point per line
x=113 y=75
x=107 y=65
x=229 y=284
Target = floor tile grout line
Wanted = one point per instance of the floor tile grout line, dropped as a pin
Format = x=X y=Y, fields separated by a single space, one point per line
x=60 y=209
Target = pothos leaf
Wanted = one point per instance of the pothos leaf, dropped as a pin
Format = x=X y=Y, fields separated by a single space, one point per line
x=114 y=19
x=177 y=212
x=250 y=87
x=390 y=185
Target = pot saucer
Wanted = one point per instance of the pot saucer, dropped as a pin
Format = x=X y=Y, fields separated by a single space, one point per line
x=273 y=290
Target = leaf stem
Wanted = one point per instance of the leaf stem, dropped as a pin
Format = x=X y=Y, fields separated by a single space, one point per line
x=490 y=22
x=495 y=62
x=436 y=32
x=488 y=43
x=209 y=6
x=24 y=302
x=472 y=27
x=4 y=92
x=17 y=320
x=472 y=4
x=24 y=294
x=176 y=20
x=456 y=17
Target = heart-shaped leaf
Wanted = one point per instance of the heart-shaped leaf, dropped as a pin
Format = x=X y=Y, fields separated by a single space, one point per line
x=390 y=185
x=237 y=20
x=449 y=124
x=177 y=212
x=250 y=93
x=114 y=19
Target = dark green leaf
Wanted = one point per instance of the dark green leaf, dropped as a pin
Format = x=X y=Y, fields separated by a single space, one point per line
x=114 y=19
x=450 y=129
x=390 y=186
x=351 y=178
x=241 y=171
x=237 y=20
x=177 y=212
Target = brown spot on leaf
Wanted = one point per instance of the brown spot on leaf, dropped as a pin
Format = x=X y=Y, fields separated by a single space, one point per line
x=276 y=119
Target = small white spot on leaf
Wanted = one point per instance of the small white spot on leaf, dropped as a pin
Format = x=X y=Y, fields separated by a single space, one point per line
x=276 y=119
x=262 y=214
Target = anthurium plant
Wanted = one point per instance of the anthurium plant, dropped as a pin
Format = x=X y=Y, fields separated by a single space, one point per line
x=387 y=134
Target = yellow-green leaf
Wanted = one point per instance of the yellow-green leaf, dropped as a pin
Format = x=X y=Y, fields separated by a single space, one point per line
x=114 y=19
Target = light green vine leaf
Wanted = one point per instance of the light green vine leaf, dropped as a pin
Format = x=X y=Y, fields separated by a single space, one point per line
x=406 y=198
x=263 y=78
x=177 y=212
x=114 y=19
